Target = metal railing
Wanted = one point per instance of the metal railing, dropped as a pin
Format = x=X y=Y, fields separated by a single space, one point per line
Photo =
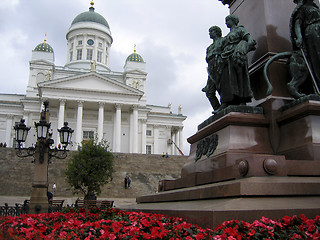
x=16 y=210
x=19 y=209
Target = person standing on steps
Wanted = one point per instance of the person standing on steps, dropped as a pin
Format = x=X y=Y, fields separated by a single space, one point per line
x=126 y=182
x=129 y=181
x=54 y=187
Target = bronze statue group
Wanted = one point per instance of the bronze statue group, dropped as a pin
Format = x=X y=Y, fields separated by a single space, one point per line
x=228 y=64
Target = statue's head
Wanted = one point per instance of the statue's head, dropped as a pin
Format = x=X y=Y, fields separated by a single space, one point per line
x=216 y=30
x=233 y=18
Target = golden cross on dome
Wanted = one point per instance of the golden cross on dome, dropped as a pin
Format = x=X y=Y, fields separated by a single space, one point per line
x=134 y=48
x=45 y=37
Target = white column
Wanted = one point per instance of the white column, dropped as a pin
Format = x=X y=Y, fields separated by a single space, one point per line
x=143 y=136
x=155 y=139
x=60 y=117
x=135 y=129
x=9 y=130
x=61 y=113
x=74 y=50
x=177 y=142
x=181 y=138
x=131 y=134
x=95 y=49
x=117 y=139
x=173 y=137
x=168 y=134
x=79 y=123
x=84 y=50
x=100 y=121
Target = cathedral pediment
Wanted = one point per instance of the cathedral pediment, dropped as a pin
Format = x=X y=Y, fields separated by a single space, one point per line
x=90 y=82
x=89 y=87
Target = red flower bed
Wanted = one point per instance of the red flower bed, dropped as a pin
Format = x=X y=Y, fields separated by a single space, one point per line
x=114 y=224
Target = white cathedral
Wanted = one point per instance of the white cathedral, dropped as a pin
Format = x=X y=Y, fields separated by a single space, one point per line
x=95 y=101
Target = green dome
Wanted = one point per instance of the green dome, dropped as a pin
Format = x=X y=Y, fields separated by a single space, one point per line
x=43 y=47
x=134 y=57
x=90 y=16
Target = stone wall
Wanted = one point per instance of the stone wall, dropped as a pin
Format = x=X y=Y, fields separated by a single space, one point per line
x=145 y=171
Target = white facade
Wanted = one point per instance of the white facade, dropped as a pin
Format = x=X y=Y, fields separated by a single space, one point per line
x=94 y=100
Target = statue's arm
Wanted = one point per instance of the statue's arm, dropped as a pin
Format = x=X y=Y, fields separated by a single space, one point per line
x=251 y=42
x=209 y=54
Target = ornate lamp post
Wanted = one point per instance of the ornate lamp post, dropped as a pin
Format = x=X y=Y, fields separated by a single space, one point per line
x=42 y=153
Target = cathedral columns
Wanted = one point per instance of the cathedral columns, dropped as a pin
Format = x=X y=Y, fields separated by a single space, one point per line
x=8 y=130
x=177 y=140
x=155 y=139
x=117 y=129
x=79 y=123
x=168 y=132
x=173 y=137
x=135 y=129
x=181 y=138
x=62 y=104
x=100 y=121
x=143 y=136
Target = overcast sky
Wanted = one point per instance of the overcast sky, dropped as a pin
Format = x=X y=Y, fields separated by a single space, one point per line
x=171 y=36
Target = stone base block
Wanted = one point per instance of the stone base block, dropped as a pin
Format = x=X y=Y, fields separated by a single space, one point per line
x=299 y=129
x=244 y=199
x=210 y=213
x=251 y=186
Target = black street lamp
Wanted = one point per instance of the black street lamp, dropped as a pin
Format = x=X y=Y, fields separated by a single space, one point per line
x=21 y=132
x=42 y=153
x=65 y=135
x=42 y=128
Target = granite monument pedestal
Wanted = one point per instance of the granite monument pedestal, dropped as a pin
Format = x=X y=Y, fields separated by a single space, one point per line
x=244 y=179
x=251 y=161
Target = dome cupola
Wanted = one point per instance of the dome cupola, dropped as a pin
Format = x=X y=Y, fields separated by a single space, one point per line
x=44 y=47
x=90 y=16
x=43 y=51
x=134 y=57
x=134 y=61
x=89 y=40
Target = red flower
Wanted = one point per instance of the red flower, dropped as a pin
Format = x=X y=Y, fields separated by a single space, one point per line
x=295 y=236
x=131 y=225
x=145 y=222
x=252 y=232
x=286 y=220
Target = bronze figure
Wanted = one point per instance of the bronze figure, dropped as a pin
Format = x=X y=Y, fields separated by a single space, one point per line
x=228 y=65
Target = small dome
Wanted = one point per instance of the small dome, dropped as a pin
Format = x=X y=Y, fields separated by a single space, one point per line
x=44 y=47
x=134 y=57
x=90 y=16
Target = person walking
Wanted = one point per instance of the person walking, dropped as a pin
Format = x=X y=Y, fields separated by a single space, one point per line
x=129 y=181
x=54 y=187
x=126 y=182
